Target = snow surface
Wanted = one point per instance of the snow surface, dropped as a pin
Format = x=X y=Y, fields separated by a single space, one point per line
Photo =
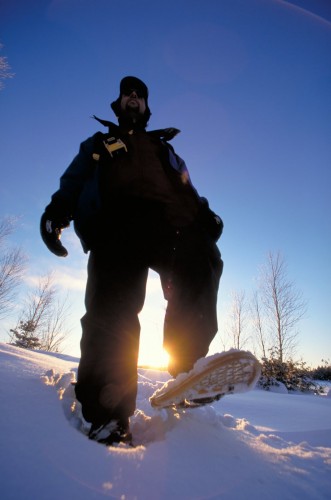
x=258 y=444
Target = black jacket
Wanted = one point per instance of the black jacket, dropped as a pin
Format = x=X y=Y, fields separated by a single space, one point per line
x=79 y=195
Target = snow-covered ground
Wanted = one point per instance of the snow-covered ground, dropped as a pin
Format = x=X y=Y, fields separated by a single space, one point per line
x=246 y=446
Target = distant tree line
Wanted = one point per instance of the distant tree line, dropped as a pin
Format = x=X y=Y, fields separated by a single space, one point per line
x=322 y=372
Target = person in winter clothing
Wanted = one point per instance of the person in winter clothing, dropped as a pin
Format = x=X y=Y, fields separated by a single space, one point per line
x=134 y=208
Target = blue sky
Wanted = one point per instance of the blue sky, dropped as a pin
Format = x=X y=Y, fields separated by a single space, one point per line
x=248 y=84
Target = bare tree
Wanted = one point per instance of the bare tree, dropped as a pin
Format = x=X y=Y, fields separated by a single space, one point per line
x=39 y=303
x=238 y=320
x=259 y=329
x=4 y=69
x=56 y=330
x=283 y=305
x=12 y=267
x=42 y=323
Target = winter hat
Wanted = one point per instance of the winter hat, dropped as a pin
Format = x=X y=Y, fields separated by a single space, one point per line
x=130 y=83
x=127 y=85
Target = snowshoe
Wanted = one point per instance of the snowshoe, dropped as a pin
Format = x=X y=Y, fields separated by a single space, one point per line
x=211 y=378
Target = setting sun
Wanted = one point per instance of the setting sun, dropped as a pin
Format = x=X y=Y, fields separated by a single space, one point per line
x=153 y=358
x=151 y=352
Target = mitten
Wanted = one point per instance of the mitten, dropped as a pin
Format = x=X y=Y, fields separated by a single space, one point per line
x=50 y=230
x=212 y=223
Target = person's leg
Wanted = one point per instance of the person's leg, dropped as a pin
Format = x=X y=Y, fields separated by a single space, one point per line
x=107 y=372
x=190 y=286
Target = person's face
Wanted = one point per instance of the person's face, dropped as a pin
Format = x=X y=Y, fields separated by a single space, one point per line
x=132 y=101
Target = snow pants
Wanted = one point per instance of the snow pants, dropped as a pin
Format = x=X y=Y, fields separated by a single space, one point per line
x=190 y=266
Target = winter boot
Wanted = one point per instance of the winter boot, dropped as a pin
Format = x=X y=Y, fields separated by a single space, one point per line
x=112 y=433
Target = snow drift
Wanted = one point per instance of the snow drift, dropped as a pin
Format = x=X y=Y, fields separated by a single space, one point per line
x=246 y=445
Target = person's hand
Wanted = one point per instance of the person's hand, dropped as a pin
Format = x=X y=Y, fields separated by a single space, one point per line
x=211 y=222
x=50 y=230
x=214 y=225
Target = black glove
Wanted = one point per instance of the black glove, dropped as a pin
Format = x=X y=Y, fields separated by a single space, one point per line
x=214 y=225
x=50 y=230
x=211 y=222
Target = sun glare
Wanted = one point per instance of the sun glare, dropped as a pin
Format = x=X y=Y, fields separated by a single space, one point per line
x=154 y=358
x=151 y=352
